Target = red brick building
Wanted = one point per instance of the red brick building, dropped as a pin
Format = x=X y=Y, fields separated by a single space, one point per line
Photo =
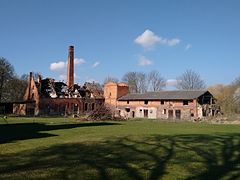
x=159 y=105
x=47 y=97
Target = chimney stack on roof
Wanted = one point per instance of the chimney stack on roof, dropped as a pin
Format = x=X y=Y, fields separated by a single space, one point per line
x=70 y=68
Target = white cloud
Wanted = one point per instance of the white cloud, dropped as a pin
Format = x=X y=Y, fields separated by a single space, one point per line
x=143 y=61
x=61 y=65
x=79 y=61
x=148 y=39
x=173 y=42
x=188 y=46
x=56 y=66
x=171 y=82
x=97 y=63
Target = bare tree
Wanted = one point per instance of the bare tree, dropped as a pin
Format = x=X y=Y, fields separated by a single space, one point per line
x=190 y=80
x=236 y=95
x=137 y=81
x=142 y=82
x=25 y=77
x=110 y=79
x=6 y=74
x=155 y=81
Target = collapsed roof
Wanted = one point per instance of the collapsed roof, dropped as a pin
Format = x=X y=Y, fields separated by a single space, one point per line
x=48 y=88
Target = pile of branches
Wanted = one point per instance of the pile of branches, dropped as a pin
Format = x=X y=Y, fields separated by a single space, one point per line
x=101 y=113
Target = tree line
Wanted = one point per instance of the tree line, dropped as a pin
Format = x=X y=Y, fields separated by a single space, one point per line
x=227 y=96
x=12 y=87
x=140 y=82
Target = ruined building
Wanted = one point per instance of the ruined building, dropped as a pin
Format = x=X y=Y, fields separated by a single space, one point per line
x=159 y=105
x=47 y=97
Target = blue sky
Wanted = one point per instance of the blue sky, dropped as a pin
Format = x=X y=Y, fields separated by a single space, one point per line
x=114 y=37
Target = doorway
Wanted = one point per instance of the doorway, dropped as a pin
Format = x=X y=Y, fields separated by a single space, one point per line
x=178 y=114
x=145 y=112
x=170 y=114
x=133 y=114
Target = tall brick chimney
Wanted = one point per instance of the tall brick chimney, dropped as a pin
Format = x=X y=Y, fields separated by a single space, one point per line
x=70 y=68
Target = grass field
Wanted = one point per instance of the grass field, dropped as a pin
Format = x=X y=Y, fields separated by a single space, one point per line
x=60 y=148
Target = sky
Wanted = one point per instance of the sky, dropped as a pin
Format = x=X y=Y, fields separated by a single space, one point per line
x=112 y=37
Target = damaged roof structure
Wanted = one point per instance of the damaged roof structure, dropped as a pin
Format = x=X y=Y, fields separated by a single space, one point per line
x=48 y=97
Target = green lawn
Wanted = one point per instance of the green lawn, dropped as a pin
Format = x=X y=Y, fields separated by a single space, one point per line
x=60 y=148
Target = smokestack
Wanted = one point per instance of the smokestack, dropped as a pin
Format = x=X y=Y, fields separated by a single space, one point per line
x=70 y=69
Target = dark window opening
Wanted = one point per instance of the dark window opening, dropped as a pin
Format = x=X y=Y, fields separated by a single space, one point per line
x=75 y=108
x=164 y=111
x=127 y=102
x=86 y=107
x=162 y=102
x=127 y=109
x=178 y=114
x=146 y=102
x=192 y=113
x=185 y=102
x=93 y=106
x=133 y=114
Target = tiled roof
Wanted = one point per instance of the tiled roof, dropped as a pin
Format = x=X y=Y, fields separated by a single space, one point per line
x=164 y=95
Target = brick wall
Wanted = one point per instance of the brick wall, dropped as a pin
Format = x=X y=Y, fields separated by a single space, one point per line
x=162 y=110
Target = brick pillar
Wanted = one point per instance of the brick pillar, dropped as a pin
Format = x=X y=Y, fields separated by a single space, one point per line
x=30 y=85
x=70 y=68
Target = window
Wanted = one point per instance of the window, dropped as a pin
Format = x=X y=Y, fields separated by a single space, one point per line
x=185 y=102
x=164 y=111
x=127 y=109
x=162 y=102
x=146 y=102
x=127 y=102
x=86 y=107
x=93 y=106
x=75 y=108
x=192 y=113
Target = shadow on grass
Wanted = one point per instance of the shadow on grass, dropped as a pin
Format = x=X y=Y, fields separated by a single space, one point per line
x=23 y=131
x=155 y=157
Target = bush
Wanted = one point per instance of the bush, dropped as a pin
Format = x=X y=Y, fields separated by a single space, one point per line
x=101 y=113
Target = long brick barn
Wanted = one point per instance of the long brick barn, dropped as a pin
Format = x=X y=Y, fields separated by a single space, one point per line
x=159 y=105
